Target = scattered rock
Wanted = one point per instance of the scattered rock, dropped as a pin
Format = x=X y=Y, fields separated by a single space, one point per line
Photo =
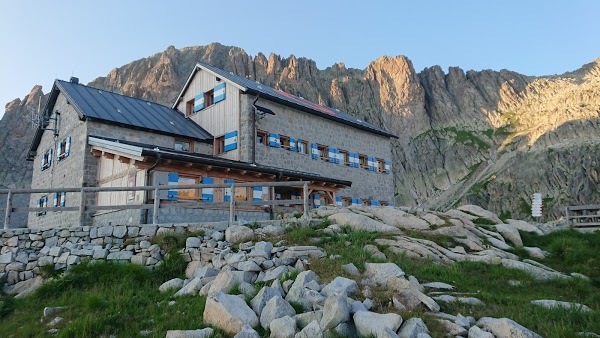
x=50 y=311
x=371 y=323
x=550 y=304
x=481 y=212
x=412 y=327
x=204 y=333
x=505 y=328
x=452 y=329
x=247 y=332
x=338 y=285
x=238 y=233
x=361 y=222
x=312 y=330
x=476 y=332
x=275 y=308
x=175 y=283
x=380 y=272
x=284 y=327
x=510 y=233
x=351 y=269
x=335 y=311
x=229 y=313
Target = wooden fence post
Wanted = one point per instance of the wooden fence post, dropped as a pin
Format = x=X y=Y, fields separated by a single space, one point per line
x=156 y=204
x=82 y=209
x=305 y=200
x=8 y=210
x=232 y=204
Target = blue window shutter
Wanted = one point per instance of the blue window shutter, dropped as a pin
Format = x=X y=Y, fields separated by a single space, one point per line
x=292 y=144
x=273 y=140
x=219 y=92
x=300 y=146
x=331 y=154
x=45 y=204
x=375 y=203
x=338 y=201
x=55 y=202
x=257 y=193
x=43 y=161
x=63 y=199
x=68 y=146
x=317 y=200
x=338 y=156
x=372 y=164
x=50 y=157
x=39 y=205
x=208 y=194
x=352 y=159
x=354 y=201
x=228 y=191
x=199 y=102
x=278 y=140
x=314 y=151
x=387 y=167
x=231 y=140
x=58 y=151
x=173 y=180
x=391 y=204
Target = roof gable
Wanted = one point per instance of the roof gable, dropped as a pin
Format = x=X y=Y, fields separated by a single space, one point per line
x=251 y=86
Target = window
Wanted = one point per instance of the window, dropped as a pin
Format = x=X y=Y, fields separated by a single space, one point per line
x=380 y=165
x=63 y=148
x=363 y=161
x=262 y=137
x=60 y=199
x=47 y=159
x=323 y=152
x=209 y=98
x=219 y=145
x=189 y=108
x=241 y=194
x=183 y=146
x=344 y=158
x=383 y=203
x=187 y=194
x=42 y=203
x=303 y=147
x=366 y=202
x=346 y=201
x=285 y=141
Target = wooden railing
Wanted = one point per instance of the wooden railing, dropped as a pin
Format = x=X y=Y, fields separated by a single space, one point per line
x=583 y=216
x=156 y=205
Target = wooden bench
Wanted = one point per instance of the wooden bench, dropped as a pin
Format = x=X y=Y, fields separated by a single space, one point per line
x=583 y=216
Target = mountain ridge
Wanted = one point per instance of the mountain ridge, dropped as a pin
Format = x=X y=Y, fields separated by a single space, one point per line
x=485 y=137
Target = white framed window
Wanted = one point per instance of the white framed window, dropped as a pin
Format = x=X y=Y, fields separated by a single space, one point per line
x=63 y=148
x=46 y=159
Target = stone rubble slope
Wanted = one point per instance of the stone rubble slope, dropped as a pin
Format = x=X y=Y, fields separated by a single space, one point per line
x=252 y=284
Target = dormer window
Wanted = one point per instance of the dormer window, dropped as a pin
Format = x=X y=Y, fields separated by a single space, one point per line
x=181 y=145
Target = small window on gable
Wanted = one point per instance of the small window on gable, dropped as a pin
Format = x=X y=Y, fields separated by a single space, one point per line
x=323 y=154
x=366 y=202
x=344 y=157
x=209 y=98
x=189 y=108
x=46 y=159
x=363 y=161
x=63 y=148
x=383 y=203
x=380 y=165
x=219 y=145
x=181 y=145
x=262 y=137
x=285 y=141
x=346 y=201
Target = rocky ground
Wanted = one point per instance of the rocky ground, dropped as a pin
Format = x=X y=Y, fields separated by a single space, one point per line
x=257 y=284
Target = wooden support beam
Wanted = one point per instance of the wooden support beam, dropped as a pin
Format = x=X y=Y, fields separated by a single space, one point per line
x=96 y=153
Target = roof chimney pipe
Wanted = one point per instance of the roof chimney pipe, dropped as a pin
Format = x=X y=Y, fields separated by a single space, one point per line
x=74 y=80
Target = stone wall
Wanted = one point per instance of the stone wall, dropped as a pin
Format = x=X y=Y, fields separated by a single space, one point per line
x=23 y=251
x=297 y=124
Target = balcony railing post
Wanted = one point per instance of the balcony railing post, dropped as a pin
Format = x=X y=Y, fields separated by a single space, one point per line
x=305 y=200
x=8 y=210
x=156 y=204
x=82 y=208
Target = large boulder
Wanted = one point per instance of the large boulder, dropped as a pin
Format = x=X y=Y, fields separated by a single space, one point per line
x=412 y=328
x=524 y=226
x=400 y=219
x=275 y=308
x=262 y=297
x=229 y=313
x=371 y=323
x=381 y=272
x=238 y=233
x=312 y=330
x=362 y=222
x=335 y=312
x=505 y=328
x=510 y=233
x=284 y=327
x=338 y=285
x=481 y=212
x=551 y=304
x=204 y=333
x=247 y=332
x=175 y=283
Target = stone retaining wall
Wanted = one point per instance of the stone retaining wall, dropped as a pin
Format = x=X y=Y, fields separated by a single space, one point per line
x=23 y=251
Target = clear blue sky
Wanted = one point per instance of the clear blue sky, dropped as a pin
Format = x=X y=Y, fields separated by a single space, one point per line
x=44 y=40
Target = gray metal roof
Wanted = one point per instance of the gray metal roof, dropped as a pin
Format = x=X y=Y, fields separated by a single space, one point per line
x=131 y=112
x=295 y=101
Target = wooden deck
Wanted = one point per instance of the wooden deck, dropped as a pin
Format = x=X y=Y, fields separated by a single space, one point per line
x=583 y=216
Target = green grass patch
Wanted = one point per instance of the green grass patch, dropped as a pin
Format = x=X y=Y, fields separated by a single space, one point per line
x=172 y=241
x=103 y=299
x=468 y=138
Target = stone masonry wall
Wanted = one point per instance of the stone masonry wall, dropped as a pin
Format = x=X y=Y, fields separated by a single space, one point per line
x=67 y=173
x=23 y=251
x=296 y=124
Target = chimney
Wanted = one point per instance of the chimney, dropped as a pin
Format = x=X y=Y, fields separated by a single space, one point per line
x=74 y=80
